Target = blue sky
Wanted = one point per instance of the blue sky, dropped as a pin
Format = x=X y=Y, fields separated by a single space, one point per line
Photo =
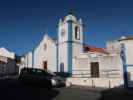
x=22 y=22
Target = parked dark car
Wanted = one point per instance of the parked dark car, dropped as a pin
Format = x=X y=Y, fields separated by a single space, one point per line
x=35 y=77
x=59 y=81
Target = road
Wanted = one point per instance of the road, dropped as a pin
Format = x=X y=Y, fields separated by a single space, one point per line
x=77 y=94
x=14 y=90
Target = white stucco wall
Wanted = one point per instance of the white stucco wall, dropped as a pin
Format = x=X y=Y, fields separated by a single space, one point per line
x=77 y=49
x=63 y=26
x=29 y=61
x=112 y=65
x=26 y=60
x=129 y=52
x=48 y=54
x=63 y=56
x=81 y=66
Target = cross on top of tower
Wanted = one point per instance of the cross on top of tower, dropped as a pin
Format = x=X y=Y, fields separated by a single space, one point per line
x=71 y=12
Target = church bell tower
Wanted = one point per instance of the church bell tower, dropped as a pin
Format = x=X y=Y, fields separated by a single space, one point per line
x=70 y=42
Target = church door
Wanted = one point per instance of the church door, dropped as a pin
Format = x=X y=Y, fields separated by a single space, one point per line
x=45 y=65
x=94 y=69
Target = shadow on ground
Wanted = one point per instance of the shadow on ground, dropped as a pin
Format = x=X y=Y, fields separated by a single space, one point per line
x=117 y=94
x=14 y=90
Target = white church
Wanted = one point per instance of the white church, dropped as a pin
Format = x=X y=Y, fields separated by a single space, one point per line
x=69 y=54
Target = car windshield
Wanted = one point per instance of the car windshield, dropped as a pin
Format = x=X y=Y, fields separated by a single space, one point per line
x=33 y=71
x=37 y=71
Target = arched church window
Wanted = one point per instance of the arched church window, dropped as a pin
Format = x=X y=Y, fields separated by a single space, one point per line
x=77 y=32
x=61 y=67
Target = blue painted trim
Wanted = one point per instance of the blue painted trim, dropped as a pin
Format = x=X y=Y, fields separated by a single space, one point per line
x=123 y=57
x=69 y=48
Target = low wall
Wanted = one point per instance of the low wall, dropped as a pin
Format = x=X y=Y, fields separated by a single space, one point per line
x=96 y=82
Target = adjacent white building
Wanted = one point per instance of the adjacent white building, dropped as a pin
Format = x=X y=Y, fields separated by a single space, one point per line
x=127 y=43
x=7 y=62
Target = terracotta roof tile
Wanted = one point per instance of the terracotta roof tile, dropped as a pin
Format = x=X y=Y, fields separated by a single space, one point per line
x=94 y=49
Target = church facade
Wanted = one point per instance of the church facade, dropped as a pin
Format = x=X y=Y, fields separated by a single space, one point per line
x=69 y=53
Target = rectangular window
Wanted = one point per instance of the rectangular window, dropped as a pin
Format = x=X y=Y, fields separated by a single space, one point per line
x=94 y=69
